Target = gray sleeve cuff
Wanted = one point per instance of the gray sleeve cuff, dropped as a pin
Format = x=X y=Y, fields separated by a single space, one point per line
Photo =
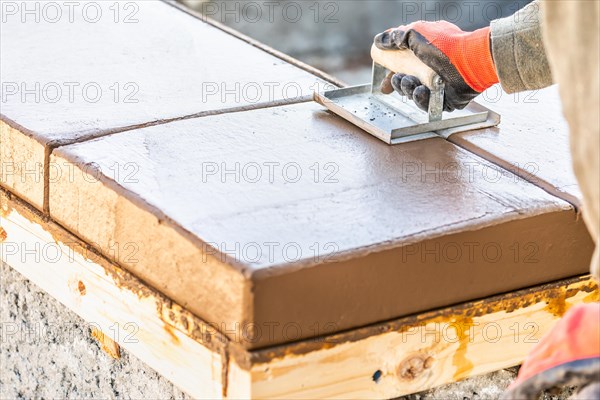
x=518 y=51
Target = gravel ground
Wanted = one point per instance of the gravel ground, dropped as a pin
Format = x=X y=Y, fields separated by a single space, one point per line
x=68 y=363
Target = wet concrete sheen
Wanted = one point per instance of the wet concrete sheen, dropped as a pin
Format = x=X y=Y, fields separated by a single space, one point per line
x=332 y=227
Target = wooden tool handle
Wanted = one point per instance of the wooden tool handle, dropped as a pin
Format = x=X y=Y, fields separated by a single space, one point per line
x=404 y=61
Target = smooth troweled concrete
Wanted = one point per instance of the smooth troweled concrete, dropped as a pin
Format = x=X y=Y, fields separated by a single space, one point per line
x=71 y=71
x=295 y=220
x=532 y=139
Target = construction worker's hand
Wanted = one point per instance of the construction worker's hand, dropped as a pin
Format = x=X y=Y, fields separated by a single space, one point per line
x=462 y=59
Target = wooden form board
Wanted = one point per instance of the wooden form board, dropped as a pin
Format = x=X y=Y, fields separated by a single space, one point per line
x=224 y=214
x=110 y=300
x=380 y=361
x=413 y=354
x=117 y=66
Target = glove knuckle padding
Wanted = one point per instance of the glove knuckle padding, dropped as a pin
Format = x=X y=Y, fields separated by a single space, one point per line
x=421 y=97
x=396 y=82
x=408 y=85
x=397 y=38
x=462 y=59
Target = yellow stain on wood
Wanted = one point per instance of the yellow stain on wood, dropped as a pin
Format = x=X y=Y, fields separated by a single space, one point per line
x=4 y=208
x=557 y=303
x=592 y=297
x=108 y=345
x=81 y=288
x=463 y=333
x=169 y=330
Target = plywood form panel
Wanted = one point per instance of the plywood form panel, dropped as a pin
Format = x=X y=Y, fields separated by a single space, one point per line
x=107 y=66
x=348 y=246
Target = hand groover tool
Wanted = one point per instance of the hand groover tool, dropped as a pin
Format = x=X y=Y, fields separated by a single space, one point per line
x=395 y=119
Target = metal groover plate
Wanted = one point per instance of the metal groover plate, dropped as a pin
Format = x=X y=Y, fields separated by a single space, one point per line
x=395 y=119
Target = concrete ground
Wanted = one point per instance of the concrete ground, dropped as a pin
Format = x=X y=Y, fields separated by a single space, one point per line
x=46 y=351
x=52 y=354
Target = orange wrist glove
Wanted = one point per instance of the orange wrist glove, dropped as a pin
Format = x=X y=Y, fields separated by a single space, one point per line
x=462 y=59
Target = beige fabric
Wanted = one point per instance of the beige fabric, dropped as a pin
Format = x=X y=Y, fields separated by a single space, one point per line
x=571 y=30
x=518 y=51
x=564 y=36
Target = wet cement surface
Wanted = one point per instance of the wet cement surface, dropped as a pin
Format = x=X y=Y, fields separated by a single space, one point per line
x=532 y=139
x=75 y=71
x=126 y=64
x=313 y=212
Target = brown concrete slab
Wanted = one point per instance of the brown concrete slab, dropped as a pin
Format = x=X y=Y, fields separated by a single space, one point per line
x=380 y=231
x=531 y=141
x=71 y=72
